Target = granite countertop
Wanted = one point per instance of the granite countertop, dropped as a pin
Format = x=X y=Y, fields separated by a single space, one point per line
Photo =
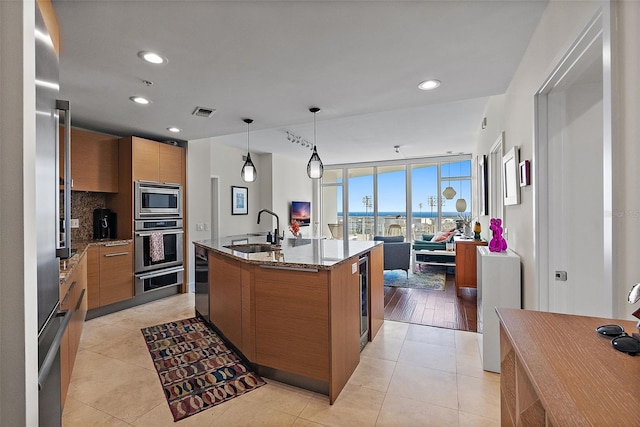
x=80 y=247
x=319 y=254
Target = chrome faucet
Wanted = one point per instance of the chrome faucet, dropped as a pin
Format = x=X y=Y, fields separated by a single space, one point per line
x=276 y=236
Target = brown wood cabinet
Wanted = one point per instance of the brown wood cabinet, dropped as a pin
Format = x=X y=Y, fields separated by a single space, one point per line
x=94 y=161
x=110 y=274
x=146 y=160
x=556 y=370
x=301 y=321
x=157 y=162
x=466 y=264
x=73 y=296
x=376 y=287
x=292 y=321
x=225 y=304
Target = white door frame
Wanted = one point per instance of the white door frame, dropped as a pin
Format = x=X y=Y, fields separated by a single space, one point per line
x=215 y=207
x=496 y=201
x=600 y=24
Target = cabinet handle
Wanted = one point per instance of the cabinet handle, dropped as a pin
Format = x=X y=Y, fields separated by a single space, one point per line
x=50 y=358
x=80 y=300
x=153 y=274
x=66 y=297
x=110 y=245
x=117 y=254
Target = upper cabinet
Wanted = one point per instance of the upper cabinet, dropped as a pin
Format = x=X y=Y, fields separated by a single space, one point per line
x=144 y=160
x=94 y=161
x=156 y=162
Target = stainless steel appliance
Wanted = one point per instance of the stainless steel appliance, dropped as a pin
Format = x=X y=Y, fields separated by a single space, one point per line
x=363 y=272
x=51 y=321
x=201 y=261
x=170 y=232
x=104 y=224
x=158 y=254
x=153 y=200
x=158 y=279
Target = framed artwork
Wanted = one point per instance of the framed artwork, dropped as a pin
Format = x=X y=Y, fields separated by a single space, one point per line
x=525 y=174
x=239 y=200
x=510 y=180
x=483 y=185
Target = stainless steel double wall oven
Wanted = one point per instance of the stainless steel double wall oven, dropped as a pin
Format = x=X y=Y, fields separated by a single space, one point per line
x=158 y=236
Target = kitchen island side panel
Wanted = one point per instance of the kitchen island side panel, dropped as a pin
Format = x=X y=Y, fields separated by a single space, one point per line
x=345 y=325
x=292 y=321
x=376 y=290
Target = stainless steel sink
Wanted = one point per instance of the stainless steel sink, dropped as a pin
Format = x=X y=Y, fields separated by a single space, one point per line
x=251 y=248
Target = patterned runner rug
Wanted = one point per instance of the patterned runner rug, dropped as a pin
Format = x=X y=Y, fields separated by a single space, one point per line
x=431 y=277
x=196 y=368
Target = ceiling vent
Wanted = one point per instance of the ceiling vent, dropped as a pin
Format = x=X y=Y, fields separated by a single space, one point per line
x=203 y=112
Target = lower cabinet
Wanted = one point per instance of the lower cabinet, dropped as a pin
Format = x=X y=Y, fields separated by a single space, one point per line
x=301 y=321
x=73 y=296
x=225 y=304
x=110 y=273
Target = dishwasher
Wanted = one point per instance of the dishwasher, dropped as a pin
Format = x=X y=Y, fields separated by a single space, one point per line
x=202 y=282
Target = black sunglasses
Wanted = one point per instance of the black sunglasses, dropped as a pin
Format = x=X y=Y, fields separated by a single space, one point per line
x=621 y=340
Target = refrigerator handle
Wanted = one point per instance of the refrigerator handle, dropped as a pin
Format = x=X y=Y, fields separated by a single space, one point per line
x=65 y=250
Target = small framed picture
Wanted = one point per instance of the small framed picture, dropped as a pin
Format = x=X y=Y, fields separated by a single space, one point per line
x=525 y=176
x=239 y=200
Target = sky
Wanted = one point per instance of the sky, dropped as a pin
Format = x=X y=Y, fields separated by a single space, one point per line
x=391 y=188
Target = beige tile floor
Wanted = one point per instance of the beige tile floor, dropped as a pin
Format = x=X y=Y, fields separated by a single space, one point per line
x=410 y=375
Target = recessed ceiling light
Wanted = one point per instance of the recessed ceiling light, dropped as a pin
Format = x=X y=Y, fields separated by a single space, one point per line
x=174 y=129
x=140 y=100
x=429 y=84
x=152 y=57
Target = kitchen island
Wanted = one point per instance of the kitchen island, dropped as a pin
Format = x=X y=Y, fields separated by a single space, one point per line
x=295 y=311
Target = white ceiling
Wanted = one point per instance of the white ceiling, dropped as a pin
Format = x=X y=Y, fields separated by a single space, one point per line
x=359 y=61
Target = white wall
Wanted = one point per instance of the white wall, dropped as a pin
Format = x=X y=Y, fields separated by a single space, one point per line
x=18 y=293
x=280 y=180
x=626 y=155
x=559 y=26
x=290 y=182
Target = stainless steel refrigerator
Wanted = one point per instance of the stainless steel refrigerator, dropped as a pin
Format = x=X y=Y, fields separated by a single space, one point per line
x=51 y=321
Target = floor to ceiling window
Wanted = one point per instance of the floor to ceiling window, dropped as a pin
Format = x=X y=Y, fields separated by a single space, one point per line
x=426 y=200
x=361 y=202
x=332 y=212
x=406 y=198
x=391 y=213
x=455 y=187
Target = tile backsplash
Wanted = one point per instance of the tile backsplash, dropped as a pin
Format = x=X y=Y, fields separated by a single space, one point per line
x=82 y=205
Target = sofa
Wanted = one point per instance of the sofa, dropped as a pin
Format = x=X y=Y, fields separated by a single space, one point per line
x=397 y=253
x=426 y=244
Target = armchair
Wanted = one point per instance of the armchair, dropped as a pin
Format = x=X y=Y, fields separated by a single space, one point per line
x=397 y=253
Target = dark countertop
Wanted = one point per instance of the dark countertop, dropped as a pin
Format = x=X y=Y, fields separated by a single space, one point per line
x=319 y=254
x=80 y=247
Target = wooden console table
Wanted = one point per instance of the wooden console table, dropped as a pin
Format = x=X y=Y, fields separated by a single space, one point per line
x=557 y=371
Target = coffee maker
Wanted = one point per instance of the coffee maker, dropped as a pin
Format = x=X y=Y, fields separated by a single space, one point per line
x=104 y=224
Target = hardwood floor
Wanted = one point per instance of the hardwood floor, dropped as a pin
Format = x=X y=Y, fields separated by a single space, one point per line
x=433 y=308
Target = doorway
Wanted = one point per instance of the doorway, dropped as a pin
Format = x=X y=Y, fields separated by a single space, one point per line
x=573 y=181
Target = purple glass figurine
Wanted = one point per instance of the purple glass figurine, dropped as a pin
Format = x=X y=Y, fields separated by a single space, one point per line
x=497 y=243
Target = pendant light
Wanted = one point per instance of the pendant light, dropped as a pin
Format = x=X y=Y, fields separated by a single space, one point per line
x=461 y=203
x=315 y=168
x=249 y=172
